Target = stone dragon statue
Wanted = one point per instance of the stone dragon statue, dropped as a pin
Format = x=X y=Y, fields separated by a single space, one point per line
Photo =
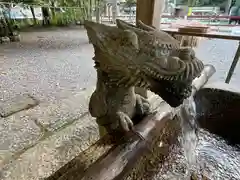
x=129 y=56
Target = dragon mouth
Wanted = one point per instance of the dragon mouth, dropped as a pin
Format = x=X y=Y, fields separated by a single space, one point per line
x=173 y=92
x=176 y=88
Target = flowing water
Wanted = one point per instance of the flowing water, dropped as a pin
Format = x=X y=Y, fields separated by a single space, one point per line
x=189 y=139
x=201 y=155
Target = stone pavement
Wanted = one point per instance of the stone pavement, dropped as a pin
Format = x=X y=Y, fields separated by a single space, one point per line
x=38 y=141
x=53 y=67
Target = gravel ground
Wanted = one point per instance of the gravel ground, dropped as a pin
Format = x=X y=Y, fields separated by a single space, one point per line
x=54 y=64
x=48 y=64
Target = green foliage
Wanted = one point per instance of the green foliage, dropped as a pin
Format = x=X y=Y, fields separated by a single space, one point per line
x=130 y=3
x=68 y=3
x=31 y=2
x=70 y=15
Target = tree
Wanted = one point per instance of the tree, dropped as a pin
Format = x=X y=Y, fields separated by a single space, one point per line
x=130 y=3
x=30 y=3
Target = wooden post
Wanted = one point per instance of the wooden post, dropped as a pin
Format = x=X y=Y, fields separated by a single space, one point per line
x=114 y=11
x=233 y=65
x=149 y=12
x=97 y=7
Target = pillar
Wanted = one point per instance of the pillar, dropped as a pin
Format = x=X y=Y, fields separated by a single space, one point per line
x=114 y=11
x=150 y=11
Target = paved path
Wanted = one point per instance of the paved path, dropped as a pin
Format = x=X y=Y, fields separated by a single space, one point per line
x=219 y=53
x=48 y=65
x=56 y=68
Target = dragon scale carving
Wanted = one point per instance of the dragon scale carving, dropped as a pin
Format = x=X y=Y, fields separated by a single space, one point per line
x=129 y=56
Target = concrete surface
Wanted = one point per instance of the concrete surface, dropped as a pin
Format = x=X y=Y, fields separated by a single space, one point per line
x=220 y=54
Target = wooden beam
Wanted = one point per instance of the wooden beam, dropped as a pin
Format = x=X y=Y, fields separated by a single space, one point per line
x=150 y=11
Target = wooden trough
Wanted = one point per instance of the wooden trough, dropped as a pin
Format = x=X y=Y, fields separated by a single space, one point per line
x=135 y=155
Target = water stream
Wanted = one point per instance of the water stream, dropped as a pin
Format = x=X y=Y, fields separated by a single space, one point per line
x=189 y=139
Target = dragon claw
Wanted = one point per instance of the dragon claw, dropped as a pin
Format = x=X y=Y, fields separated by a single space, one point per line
x=125 y=122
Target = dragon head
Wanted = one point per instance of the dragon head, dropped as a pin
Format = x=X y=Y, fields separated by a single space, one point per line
x=145 y=57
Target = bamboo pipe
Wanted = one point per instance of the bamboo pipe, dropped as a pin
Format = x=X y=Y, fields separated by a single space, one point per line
x=122 y=158
x=206 y=74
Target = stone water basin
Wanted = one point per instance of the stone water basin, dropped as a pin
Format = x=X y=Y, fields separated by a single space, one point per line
x=217 y=151
x=213 y=154
x=218 y=110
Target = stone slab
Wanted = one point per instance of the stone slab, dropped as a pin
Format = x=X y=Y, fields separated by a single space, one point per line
x=52 y=153
x=16 y=104
x=58 y=114
x=17 y=133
